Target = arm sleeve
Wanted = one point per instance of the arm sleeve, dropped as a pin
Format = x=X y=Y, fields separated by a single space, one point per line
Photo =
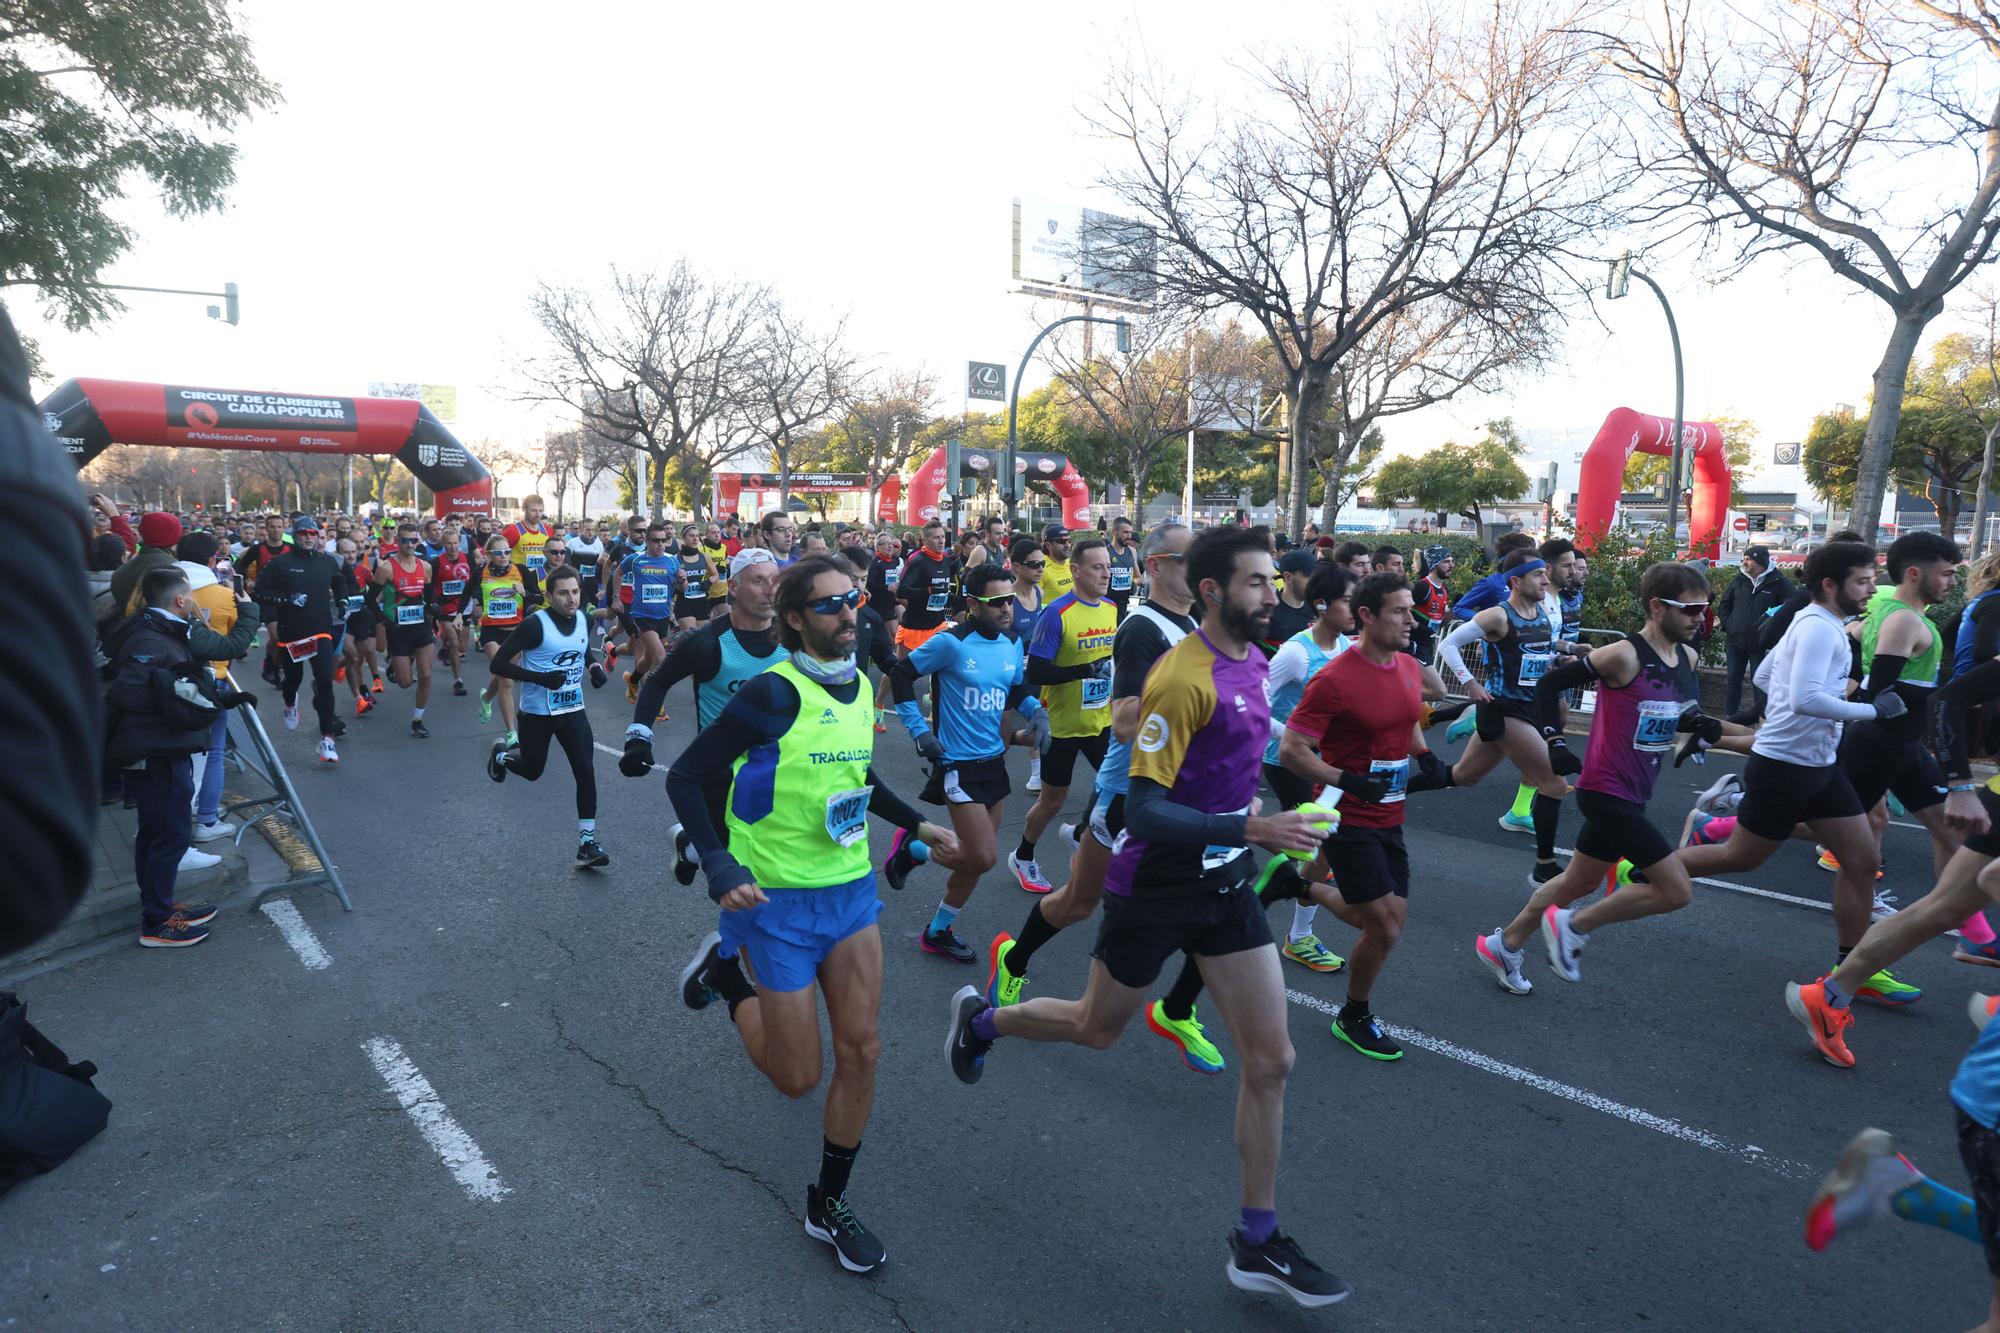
x=1288 y=667
x=1951 y=716
x=1574 y=673
x=1816 y=688
x=763 y=710
x=1150 y=815
x=882 y=645
x=884 y=804
x=697 y=655
x=1452 y=649
x=1041 y=671
x=526 y=635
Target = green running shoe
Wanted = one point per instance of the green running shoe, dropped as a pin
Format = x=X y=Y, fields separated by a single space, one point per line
x=1003 y=987
x=485 y=708
x=1883 y=988
x=1313 y=954
x=1462 y=726
x=1197 y=1051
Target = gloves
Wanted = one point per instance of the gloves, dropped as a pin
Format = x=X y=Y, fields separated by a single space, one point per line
x=1101 y=668
x=1038 y=730
x=1694 y=720
x=549 y=680
x=1431 y=774
x=1562 y=760
x=637 y=761
x=598 y=675
x=1362 y=787
x=930 y=748
x=235 y=699
x=1888 y=705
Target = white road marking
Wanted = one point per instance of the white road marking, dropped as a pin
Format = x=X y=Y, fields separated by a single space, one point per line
x=1772 y=894
x=1700 y=1138
x=453 y=1145
x=297 y=933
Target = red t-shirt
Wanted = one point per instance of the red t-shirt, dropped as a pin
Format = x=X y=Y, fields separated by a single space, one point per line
x=1361 y=716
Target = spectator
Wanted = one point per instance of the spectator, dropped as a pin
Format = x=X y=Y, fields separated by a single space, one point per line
x=157 y=535
x=1355 y=558
x=233 y=621
x=1388 y=559
x=1755 y=592
x=113 y=523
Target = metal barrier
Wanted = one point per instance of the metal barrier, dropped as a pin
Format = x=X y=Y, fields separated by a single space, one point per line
x=1487 y=669
x=250 y=750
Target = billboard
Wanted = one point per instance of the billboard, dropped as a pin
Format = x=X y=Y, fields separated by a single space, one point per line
x=1062 y=249
x=986 y=379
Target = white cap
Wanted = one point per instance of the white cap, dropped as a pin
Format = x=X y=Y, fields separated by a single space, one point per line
x=754 y=555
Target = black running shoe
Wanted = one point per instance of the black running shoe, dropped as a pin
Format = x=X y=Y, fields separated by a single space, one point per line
x=494 y=768
x=965 y=1052
x=684 y=869
x=1447 y=713
x=339 y=729
x=590 y=855
x=1365 y=1035
x=947 y=943
x=419 y=730
x=1542 y=873
x=695 y=990
x=458 y=688
x=833 y=1221
x=1280 y=1268
x=896 y=870
x=1280 y=879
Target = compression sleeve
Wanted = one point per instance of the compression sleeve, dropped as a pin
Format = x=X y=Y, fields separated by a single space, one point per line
x=698 y=655
x=1574 y=673
x=886 y=805
x=762 y=711
x=1042 y=671
x=1151 y=816
x=1883 y=673
x=526 y=635
x=1452 y=650
x=1951 y=716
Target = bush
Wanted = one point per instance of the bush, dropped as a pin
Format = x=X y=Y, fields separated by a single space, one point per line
x=1611 y=594
x=1469 y=559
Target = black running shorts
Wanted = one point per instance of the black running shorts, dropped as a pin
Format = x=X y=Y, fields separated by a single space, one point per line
x=1987 y=843
x=1367 y=863
x=969 y=782
x=494 y=633
x=1493 y=714
x=409 y=640
x=1616 y=829
x=1291 y=790
x=1059 y=764
x=1139 y=934
x=1778 y=795
x=1876 y=761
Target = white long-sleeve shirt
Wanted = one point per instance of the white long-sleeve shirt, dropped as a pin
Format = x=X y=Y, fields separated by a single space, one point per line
x=1806 y=678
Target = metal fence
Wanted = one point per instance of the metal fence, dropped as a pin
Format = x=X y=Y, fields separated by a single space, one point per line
x=1487 y=669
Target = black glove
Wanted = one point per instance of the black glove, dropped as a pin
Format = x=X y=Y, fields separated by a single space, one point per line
x=1562 y=760
x=1707 y=728
x=1362 y=787
x=1431 y=774
x=637 y=761
x=1889 y=704
x=598 y=675
x=549 y=680
x=235 y=699
x=930 y=748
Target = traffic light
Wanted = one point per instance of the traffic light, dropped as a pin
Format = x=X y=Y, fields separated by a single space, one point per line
x=231 y=309
x=1124 y=335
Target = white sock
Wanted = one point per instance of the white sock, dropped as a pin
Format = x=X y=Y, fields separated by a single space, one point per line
x=416 y=715
x=1302 y=920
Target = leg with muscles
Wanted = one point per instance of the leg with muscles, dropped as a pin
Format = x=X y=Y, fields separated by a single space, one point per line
x=1852 y=843
x=851 y=978
x=424 y=657
x=1380 y=922
x=1095 y=1021
x=1666 y=888
x=1502 y=956
x=974 y=824
x=1530 y=755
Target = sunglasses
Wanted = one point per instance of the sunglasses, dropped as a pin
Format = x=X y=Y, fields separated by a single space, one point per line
x=406 y=541
x=1032 y=564
x=830 y=606
x=1685 y=608
x=998 y=599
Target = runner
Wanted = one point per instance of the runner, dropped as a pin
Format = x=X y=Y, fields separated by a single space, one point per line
x=1433 y=595
x=1027 y=562
x=452 y=572
x=873 y=643
x=527 y=539
x=654 y=577
x=780 y=536
x=1069 y=660
x=1180 y=879
x=1124 y=565
x=980 y=675
x=248 y=566
x=794 y=882
x=554 y=647
x=928 y=590
x=505 y=596
x=1647 y=695
x=1355 y=729
x=691 y=607
x=631 y=541
x=403 y=593
x=302 y=592
x=1056 y=581
x=357 y=649
x=1387 y=560
x=1293 y=614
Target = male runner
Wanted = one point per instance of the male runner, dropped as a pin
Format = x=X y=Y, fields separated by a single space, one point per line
x=1056 y=581
x=403 y=591
x=630 y=541
x=928 y=589
x=1433 y=595
x=780 y=536
x=357 y=646
x=980 y=676
x=554 y=647
x=1355 y=558
x=1387 y=560
x=528 y=538
x=586 y=552
x=1180 y=879
x=655 y=576
x=1124 y=564
x=1356 y=729
x=794 y=747
x=302 y=592
x=248 y=566
x=1069 y=660
x=453 y=572
x=1292 y=614
x=504 y=596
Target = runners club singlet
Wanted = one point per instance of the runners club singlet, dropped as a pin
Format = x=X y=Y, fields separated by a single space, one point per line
x=1525 y=652
x=405 y=603
x=1114 y=774
x=1072 y=632
x=454 y=571
x=527 y=541
x=1635 y=726
x=798 y=806
x=1920 y=674
x=503 y=598
x=556 y=652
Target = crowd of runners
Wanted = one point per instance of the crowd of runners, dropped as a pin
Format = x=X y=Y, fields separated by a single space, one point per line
x=1214 y=692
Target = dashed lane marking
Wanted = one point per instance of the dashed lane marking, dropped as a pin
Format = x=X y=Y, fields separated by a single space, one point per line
x=297 y=933
x=452 y=1144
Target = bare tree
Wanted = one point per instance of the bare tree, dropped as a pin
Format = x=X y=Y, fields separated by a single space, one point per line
x=796 y=375
x=880 y=420
x=1441 y=163
x=1850 y=131
x=562 y=459
x=661 y=366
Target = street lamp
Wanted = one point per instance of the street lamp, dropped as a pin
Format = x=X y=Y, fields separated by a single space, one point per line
x=229 y=312
x=1615 y=285
x=1010 y=484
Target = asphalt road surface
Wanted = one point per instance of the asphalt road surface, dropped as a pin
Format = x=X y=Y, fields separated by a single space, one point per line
x=483 y=1105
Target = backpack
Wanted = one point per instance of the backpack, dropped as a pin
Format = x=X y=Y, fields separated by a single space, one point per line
x=48 y=1108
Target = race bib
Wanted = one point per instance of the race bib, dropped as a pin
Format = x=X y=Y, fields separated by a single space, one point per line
x=1096 y=691
x=890 y=577
x=1396 y=772
x=655 y=594
x=847 y=816
x=1658 y=720
x=1121 y=578
x=303 y=650
x=570 y=697
x=452 y=587
x=500 y=606
x=410 y=613
x=937 y=601
x=588 y=571
x=697 y=587
x=352 y=606
x=537 y=562
x=1534 y=666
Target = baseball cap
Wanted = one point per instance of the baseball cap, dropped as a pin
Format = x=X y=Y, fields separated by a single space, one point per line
x=755 y=555
x=1055 y=532
x=1298 y=562
x=305 y=523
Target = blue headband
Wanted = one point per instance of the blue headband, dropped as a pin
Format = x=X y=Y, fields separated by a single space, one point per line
x=1526 y=567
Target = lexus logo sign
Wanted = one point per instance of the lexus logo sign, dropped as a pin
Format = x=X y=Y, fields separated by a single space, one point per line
x=986 y=380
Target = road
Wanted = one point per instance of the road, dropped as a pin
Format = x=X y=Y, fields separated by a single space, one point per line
x=1630 y=1152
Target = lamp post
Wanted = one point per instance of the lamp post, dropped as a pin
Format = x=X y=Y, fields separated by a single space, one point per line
x=1010 y=484
x=1615 y=284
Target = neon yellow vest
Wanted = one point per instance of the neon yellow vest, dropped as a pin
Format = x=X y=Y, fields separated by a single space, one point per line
x=798 y=807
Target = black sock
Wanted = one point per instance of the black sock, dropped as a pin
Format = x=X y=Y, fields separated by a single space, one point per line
x=1545 y=811
x=1179 y=1002
x=1844 y=951
x=834 y=1164
x=1354 y=1010
x=727 y=980
x=1026 y=851
x=1034 y=934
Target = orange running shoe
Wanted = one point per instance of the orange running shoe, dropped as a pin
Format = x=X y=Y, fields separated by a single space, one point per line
x=1826 y=1024
x=340 y=674
x=1827 y=861
x=362 y=703
x=378 y=684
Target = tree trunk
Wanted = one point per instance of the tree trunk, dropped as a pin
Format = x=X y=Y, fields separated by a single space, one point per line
x=1329 y=504
x=1872 y=474
x=1302 y=401
x=784 y=452
x=1985 y=494
x=1136 y=504
x=656 y=483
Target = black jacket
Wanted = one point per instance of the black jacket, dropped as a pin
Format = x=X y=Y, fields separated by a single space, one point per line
x=298 y=592
x=162 y=699
x=1745 y=605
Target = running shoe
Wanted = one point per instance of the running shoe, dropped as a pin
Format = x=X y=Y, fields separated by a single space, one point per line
x=1986 y=955
x=339 y=729
x=1505 y=966
x=1541 y=872
x=1869 y=1174
x=963 y=1050
x=1034 y=782
x=327 y=754
x=901 y=861
x=1980 y=1009
x=1727 y=789
x=291 y=717
x=1029 y=873
x=833 y=1221
x=1463 y=725
x=610 y=656
x=685 y=866
x=419 y=730
x=485 y=708
x=1002 y=987
x=1436 y=713
x=1197 y=1051
x=340 y=675
x=363 y=705
x=1513 y=823
x=195 y=914
x=1620 y=875
x=1309 y=952
x=589 y=855
x=173 y=933
x=1565 y=946
x=1826 y=1025
x=1279 y=880
x=458 y=688
x=496 y=766
x=696 y=993
x=1070 y=836
x=1884 y=988
x=631 y=688
x=1279 y=1268
x=881 y=725
x=1695 y=829
x=1365 y=1035
x=378 y=685
x=947 y=944
x=1886 y=905
x=1828 y=861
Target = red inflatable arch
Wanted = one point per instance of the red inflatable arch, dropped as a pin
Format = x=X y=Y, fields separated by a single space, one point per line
x=1603 y=479
x=1052 y=470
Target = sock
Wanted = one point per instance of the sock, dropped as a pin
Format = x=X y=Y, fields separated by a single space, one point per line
x=1546 y=811
x=1924 y=1200
x=1178 y=1003
x=1026 y=851
x=1302 y=921
x=1843 y=951
x=834 y=1164
x=416 y=715
x=1034 y=934
x=1524 y=795
x=1836 y=997
x=1976 y=930
x=984 y=1025
x=586 y=829
x=1354 y=1010
x=727 y=980
x=1259 y=1224
x=1568 y=916
x=941 y=920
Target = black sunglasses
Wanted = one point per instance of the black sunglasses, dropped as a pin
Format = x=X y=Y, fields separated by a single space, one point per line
x=830 y=606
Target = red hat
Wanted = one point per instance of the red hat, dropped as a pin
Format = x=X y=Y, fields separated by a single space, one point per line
x=1325 y=543
x=159 y=529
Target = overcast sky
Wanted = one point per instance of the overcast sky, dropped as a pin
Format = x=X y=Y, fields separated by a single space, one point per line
x=431 y=163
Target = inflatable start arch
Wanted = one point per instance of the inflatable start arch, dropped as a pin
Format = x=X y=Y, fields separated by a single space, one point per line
x=1603 y=478
x=90 y=415
x=1052 y=470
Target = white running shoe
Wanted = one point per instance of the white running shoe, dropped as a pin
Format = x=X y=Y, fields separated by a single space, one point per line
x=1034 y=782
x=1727 y=789
x=1564 y=944
x=192 y=859
x=327 y=754
x=1885 y=905
x=221 y=828
x=292 y=718
x=1069 y=835
x=1505 y=966
x=1029 y=873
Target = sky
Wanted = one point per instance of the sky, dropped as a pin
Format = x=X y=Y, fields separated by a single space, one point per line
x=432 y=163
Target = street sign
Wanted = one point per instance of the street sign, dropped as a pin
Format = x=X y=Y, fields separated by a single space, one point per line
x=1742 y=524
x=1760 y=522
x=987 y=380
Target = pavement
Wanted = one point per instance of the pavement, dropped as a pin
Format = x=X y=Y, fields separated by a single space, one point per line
x=477 y=1102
